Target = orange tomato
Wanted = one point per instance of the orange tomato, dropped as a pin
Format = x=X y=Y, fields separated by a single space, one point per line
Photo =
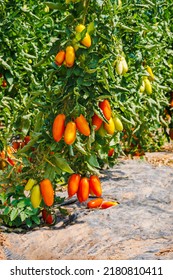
x=86 y=41
x=107 y=204
x=83 y=190
x=95 y=185
x=73 y=184
x=60 y=57
x=69 y=56
x=2 y=154
x=82 y=125
x=95 y=203
x=70 y=133
x=16 y=145
x=58 y=127
x=111 y=152
x=106 y=108
x=171 y=103
x=97 y=122
x=47 y=192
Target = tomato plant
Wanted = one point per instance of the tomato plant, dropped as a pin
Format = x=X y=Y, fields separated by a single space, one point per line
x=82 y=77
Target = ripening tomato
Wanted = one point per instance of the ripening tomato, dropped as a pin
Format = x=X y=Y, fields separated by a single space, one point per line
x=47 y=192
x=15 y=145
x=27 y=139
x=2 y=154
x=73 y=184
x=58 y=127
x=111 y=152
x=47 y=217
x=11 y=161
x=69 y=56
x=83 y=190
x=82 y=125
x=118 y=124
x=148 y=86
x=31 y=182
x=86 y=41
x=95 y=203
x=107 y=204
x=102 y=132
x=97 y=122
x=106 y=108
x=70 y=133
x=110 y=127
x=60 y=57
x=36 y=196
x=171 y=103
x=95 y=185
x=4 y=83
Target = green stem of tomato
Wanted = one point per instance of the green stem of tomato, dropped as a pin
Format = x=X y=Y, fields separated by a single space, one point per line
x=86 y=6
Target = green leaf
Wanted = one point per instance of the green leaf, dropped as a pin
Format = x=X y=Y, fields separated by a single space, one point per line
x=29 y=222
x=30 y=144
x=7 y=210
x=62 y=164
x=25 y=123
x=9 y=78
x=54 y=6
x=36 y=220
x=13 y=214
x=81 y=148
x=23 y=216
x=90 y=28
x=92 y=160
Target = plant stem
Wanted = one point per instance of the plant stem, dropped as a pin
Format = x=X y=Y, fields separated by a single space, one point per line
x=86 y=6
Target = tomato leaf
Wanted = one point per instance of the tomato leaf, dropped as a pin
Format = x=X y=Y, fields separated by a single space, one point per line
x=62 y=164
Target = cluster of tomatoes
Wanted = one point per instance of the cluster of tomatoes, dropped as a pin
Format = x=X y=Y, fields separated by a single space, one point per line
x=7 y=156
x=83 y=187
x=42 y=192
x=67 y=56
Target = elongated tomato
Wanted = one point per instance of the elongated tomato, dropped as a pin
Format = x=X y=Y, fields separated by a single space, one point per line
x=111 y=152
x=58 y=127
x=47 y=192
x=36 y=196
x=97 y=122
x=95 y=185
x=107 y=204
x=83 y=190
x=110 y=127
x=118 y=124
x=31 y=182
x=69 y=56
x=106 y=108
x=73 y=184
x=95 y=203
x=70 y=133
x=86 y=41
x=47 y=217
x=60 y=57
x=82 y=125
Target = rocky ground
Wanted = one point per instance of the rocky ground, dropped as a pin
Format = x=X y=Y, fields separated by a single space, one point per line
x=139 y=227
